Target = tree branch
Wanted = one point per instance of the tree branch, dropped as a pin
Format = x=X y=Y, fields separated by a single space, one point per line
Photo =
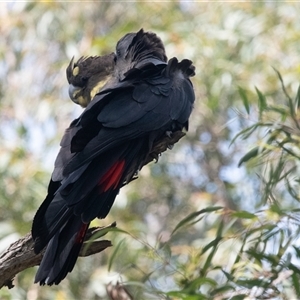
x=20 y=255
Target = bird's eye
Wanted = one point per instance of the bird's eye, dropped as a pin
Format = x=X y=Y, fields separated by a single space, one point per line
x=84 y=78
x=75 y=71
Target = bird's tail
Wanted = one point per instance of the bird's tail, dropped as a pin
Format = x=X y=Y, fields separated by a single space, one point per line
x=63 y=218
x=62 y=252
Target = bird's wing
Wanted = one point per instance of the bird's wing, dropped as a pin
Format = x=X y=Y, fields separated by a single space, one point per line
x=110 y=141
x=133 y=111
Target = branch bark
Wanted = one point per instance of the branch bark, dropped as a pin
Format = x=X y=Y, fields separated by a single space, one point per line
x=20 y=255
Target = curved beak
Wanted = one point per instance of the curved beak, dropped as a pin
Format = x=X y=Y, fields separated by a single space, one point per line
x=73 y=93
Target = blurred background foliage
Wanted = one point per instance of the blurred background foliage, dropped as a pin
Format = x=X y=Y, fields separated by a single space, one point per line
x=194 y=225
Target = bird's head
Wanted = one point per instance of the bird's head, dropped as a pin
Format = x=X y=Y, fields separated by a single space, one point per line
x=88 y=76
x=134 y=50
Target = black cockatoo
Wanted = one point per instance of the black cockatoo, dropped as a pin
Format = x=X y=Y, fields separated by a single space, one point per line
x=141 y=100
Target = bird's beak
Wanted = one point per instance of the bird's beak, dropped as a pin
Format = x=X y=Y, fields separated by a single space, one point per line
x=73 y=93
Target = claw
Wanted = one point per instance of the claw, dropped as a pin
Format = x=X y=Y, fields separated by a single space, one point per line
x=169 y=134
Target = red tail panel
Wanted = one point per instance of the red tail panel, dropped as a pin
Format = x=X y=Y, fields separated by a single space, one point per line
x=113 y=176
x=81 y=233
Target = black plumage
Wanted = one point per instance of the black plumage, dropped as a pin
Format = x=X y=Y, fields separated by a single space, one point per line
x=138 y=113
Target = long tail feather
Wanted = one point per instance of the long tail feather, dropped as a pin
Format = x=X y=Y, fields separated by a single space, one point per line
x=62 y=252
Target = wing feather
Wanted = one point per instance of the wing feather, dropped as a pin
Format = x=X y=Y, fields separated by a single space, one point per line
x=153 y=104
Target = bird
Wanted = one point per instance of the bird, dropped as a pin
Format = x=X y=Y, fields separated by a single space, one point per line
x=134 y=107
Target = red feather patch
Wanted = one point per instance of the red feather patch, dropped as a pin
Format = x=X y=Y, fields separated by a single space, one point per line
x=113 y=176
x=81 y=233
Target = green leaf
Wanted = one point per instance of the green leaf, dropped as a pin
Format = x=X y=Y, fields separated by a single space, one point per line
x=243 y=214
x=262 y=228
x=186 y=221
x=297 y=250
x=290 y=102
x=245 y=133
x=184 y=296
x=251 y=283
x=248 y=131
x=223 y=289
x=147 y=276
x=239 y=297
x=100 y=232
x=262 y=103
x=295 y=279
x=244 y=97
x=281 y=110
x=114 y=254
x=229 y=276
x=249 y=155
x=297 y=99
x=214 y=245
x=195 y=284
